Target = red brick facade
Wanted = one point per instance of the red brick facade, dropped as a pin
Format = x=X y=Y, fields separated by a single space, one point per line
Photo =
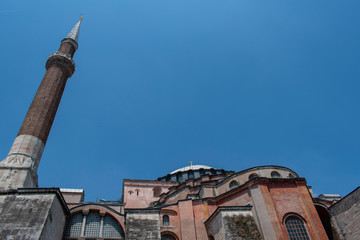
x=41 y=114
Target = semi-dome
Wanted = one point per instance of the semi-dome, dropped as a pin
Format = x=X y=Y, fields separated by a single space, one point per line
x=191 y=167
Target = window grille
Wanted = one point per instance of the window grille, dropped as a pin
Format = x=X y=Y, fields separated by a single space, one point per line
x=73 y=227
x=111 y=228
x=296 y=228
x=92 y=225
x=166 y=220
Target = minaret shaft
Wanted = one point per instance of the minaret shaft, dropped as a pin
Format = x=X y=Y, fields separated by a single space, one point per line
x=19 y=168
x=41 y=114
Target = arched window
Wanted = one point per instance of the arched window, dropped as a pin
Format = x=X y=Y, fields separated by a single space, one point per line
x=291 y=176
x=94 y=222
x=157 y=191
x=167 y=237
x=252 y=176
x=296 y=228
x=233 y=184
x=191 y=174
x=275 y=174
x=166 y=220
x=92 y=225
x=111 y=228
x=73 y=227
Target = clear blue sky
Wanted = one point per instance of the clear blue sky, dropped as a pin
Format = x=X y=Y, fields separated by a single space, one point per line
x=230 y=84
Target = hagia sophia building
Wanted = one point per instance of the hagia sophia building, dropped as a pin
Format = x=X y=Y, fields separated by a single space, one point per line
x=196 y=202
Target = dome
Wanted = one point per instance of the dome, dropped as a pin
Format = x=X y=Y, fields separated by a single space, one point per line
x=191 y=167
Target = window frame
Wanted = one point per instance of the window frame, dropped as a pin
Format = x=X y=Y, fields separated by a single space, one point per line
x=165 y=220
x=302 y=220
x=100 y=236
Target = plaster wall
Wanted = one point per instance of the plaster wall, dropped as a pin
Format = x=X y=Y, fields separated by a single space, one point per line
x=141 y=194
x=174 y=222
x=72 y=197
x=261 y=214
x=224 y=186
x=186 y=215
x=201 y=214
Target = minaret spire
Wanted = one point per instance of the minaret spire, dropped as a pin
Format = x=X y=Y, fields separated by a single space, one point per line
x=19 y=168
x=73 y=36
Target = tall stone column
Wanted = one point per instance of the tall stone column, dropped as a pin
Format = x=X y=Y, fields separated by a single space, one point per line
x=19 y=168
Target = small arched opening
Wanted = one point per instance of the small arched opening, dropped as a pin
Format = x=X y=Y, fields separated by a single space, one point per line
x=275 y=174
x=168 y=236
x=325 y=219
x=233 y=184
x=252 y=176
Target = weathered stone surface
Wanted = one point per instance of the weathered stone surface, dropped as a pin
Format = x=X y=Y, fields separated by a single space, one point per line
x=233 y=223
x=241 y=227
x=345 y=217
x=19 y=168
x=32 y=215
x=143 y=225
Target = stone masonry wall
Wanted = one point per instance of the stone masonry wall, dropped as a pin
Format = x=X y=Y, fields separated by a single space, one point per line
x=31 y=216
x=345 y=217
x=141 y=226
x=241 y=227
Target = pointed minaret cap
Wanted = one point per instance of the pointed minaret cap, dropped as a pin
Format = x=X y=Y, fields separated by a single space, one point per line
x=73 y=35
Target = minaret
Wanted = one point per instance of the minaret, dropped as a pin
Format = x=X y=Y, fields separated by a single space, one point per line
x=19 y=168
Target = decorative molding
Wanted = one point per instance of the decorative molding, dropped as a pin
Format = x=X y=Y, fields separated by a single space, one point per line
x=63 y=61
